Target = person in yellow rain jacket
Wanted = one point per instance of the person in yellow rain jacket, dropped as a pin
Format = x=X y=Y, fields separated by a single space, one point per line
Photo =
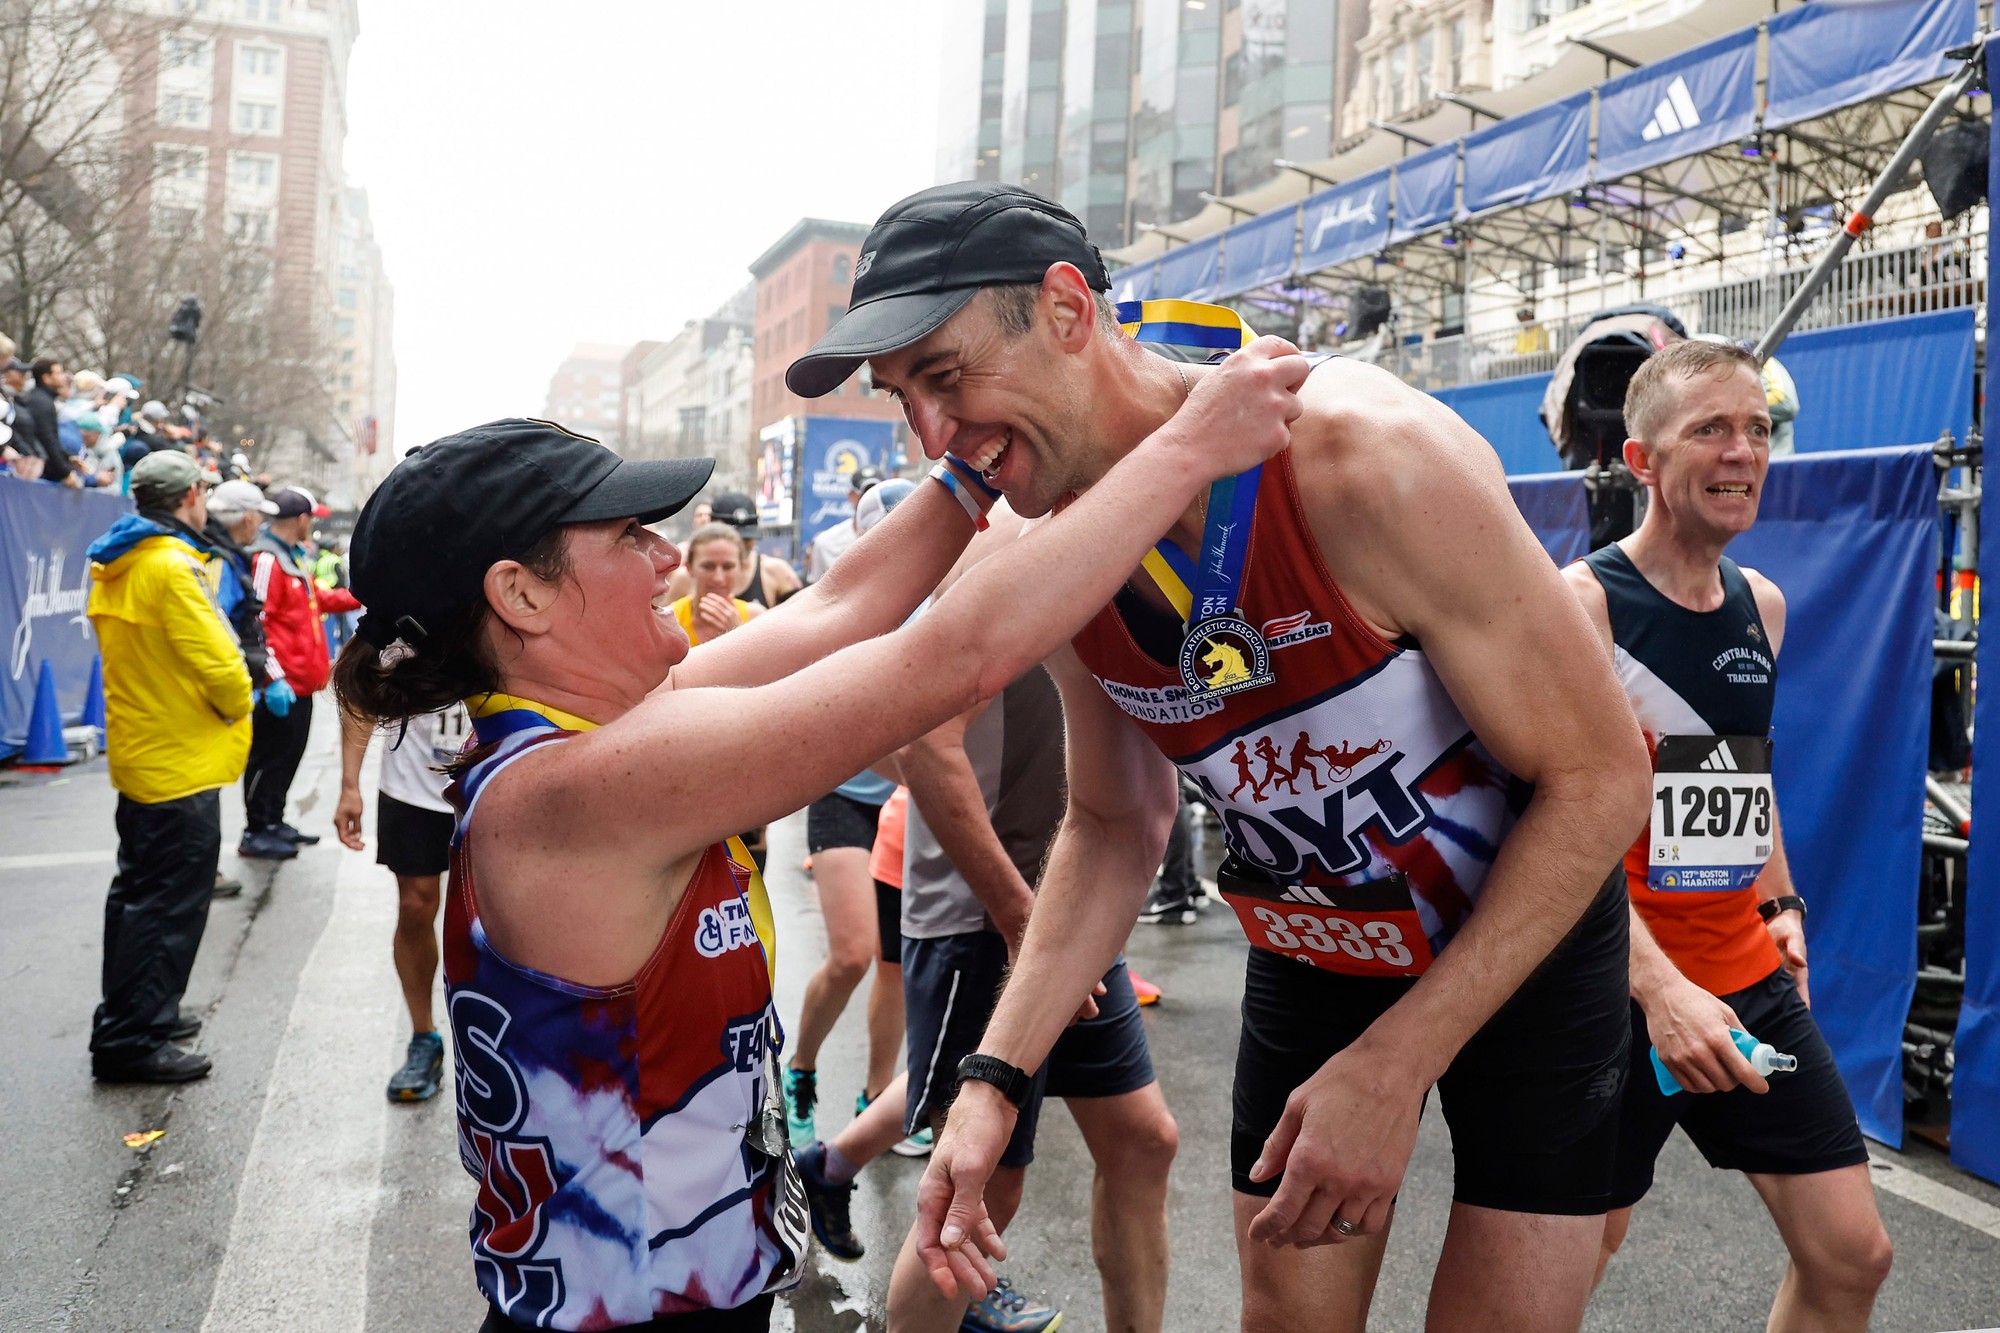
x=177 y=705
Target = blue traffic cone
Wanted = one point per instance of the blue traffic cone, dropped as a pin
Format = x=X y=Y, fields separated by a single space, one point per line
x=93 y=697
x=45 y=727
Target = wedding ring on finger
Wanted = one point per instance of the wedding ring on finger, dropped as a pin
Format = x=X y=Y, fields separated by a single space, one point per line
x=1345 y=1227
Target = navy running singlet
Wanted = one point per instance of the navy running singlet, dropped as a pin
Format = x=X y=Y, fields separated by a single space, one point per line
x=1702 y=684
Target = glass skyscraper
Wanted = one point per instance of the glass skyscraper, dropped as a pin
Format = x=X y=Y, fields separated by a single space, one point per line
x=1128 y=111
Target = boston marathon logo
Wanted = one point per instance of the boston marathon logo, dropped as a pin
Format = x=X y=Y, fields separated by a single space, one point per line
x=1224 y=656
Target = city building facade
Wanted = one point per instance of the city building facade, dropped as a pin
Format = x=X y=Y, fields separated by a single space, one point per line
x=802 y=286
x=586 y=393
x=1131 y=112
x=241 y=112
x=690 y=395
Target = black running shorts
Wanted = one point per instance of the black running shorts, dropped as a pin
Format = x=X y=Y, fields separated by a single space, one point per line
x=1804 y=1125
x=840 y=821
x=1532 y=1099
x=949 y=988
x=410 y=840
x=889 y=921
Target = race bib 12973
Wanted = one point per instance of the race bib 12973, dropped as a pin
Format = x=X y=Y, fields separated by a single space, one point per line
x=1714 y=823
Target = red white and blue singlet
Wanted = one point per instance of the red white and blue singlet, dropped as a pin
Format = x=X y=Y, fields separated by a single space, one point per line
x=614 y=1132
x=1360 y=811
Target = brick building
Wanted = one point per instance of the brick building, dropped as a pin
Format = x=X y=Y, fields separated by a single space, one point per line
x=587 y=391
x=245 y=118
x=803 y=283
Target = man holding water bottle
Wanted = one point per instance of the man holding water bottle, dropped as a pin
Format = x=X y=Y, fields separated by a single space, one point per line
x=1718 y=942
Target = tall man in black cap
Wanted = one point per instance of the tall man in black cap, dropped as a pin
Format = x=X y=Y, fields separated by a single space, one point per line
x=1380 y=681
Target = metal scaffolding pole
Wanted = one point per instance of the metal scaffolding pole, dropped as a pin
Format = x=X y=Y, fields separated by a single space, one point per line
x=1863 y=217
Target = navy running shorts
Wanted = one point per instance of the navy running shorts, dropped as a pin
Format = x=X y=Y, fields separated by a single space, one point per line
x=411 y=841
x=1532 y=1099
x=840 y=821
x=949 y=987
x=1804 y=1125
x=889 y=921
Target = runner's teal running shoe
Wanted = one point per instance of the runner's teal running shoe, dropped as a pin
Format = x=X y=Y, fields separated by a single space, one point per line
x=801 y=1094
x=1006 y=1310
x=918 y=1144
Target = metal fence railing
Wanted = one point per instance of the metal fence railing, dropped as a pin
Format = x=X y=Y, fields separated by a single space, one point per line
x=1937 y=273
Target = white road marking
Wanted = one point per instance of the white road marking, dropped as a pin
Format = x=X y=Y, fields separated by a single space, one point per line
x=48 y=860
x=297 y=1254
x=1935 y=1195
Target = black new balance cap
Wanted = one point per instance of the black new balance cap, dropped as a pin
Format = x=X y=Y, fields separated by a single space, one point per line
x=927 y=256
x=453 y=509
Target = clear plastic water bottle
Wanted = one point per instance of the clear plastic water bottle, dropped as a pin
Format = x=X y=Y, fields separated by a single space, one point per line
x=1763 y=1057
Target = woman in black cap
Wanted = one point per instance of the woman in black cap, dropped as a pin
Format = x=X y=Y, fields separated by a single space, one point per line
x=607 y=956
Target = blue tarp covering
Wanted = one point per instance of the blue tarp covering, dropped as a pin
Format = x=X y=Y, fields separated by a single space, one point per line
x=1851 y=538
x=1975 y=1089
x=1677 y=107
x=1504 y=411
x=45 y=531
x=1134 y=283
x=1426 y=190
x=1257 y=252
x=1345 y=222
x=1190 y=272
x=1834 y=53
x=1536 y=155
x=1889 y=381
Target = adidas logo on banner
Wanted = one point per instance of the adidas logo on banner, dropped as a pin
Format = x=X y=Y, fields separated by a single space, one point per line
x=1676 y=112
x=1721 y=761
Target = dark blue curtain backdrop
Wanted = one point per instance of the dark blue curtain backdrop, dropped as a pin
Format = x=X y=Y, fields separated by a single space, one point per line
x=1506 y=413
x=1862 y=386
x=1975 y=1089
x=45 y=531
x=1851 y=538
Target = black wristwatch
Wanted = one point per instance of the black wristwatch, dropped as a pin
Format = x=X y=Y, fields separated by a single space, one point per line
x=1791 y=902
x=1014 y=1084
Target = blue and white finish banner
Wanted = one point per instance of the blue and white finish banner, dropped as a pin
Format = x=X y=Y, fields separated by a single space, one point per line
x=1190 y=272
x=1258 y=252
x=1134 y=282
x=1835 y=53
x=1536 y=155
x=1345 y=222
x=45 y=536
x=1426 y=190
x=831 y=449
x=1677 y=107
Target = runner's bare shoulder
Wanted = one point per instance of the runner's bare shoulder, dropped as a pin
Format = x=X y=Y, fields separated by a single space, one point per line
x=1362 y=419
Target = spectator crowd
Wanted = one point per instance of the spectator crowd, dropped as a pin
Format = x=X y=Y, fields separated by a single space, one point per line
x=88 y=429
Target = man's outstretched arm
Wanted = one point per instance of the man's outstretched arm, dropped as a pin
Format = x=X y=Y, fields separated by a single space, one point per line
x=1122 y=800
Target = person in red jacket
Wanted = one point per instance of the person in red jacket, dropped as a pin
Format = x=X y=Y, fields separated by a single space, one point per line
x=293 y=604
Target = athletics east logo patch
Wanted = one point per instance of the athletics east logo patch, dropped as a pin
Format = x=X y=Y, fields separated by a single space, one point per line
x=1299 y=627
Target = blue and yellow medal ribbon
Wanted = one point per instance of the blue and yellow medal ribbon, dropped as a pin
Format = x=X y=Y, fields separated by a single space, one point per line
x=1231 y=500
x=498 y=715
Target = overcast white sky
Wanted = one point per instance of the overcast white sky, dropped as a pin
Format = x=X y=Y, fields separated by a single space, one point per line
x=603 y=170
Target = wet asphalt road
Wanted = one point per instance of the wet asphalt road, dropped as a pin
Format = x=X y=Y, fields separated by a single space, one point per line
x=287 y=1194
